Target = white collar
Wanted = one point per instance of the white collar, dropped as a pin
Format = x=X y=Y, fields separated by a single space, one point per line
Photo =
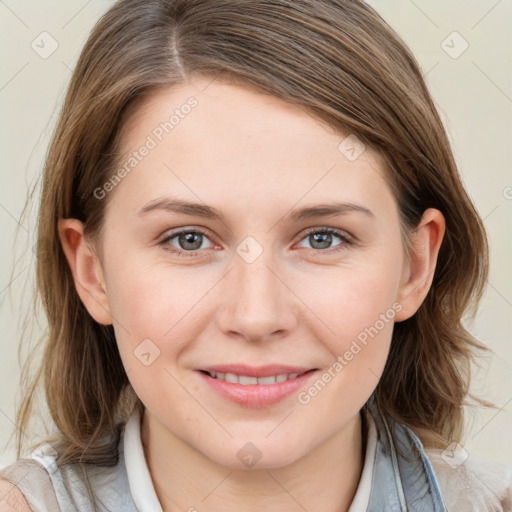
x=144 y=494
x=139 y=479
x=362 y=497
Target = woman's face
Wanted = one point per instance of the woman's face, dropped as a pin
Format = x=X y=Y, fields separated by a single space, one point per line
x=293 y=259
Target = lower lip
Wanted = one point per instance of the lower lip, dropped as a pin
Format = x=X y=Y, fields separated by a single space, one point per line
x=256 y=395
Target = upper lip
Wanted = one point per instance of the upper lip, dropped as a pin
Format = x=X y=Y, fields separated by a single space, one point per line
x=256 y=371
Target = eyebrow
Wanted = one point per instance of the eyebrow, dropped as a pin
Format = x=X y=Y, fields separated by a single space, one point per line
x=209 y=212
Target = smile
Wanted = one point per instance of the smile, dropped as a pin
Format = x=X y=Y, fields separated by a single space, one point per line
x=256 y=390
x=246 y=380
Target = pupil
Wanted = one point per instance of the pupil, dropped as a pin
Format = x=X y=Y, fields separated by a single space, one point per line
x=188 y=238
x=323 y=238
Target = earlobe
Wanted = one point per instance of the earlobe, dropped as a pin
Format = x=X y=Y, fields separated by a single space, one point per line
x=86 y=270
x=418 y=272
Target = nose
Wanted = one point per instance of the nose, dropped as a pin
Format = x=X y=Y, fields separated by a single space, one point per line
x=258 y=303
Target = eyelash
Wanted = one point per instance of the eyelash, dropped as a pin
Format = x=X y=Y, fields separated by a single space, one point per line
x=346 y=240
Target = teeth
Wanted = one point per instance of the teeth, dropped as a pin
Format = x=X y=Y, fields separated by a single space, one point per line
x=242 y=379
x=231 y=377
x=267 y=380
x=246 y=380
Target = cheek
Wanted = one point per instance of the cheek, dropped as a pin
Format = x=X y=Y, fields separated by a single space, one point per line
x=362 y=318
x=149 y=297
x=351 y=299
x=155 y=302
x=357 y=305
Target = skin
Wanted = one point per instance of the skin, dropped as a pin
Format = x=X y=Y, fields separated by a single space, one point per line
x=255 y=158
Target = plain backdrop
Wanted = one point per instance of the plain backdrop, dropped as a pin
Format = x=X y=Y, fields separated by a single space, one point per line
x=465 y=50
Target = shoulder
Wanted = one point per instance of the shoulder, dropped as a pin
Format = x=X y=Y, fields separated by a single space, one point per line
x=471 y=484
x=46 y=486
x=26 y=486
x=12 y=499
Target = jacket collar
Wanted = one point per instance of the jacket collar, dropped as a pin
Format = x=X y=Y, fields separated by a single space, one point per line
x=403 y=477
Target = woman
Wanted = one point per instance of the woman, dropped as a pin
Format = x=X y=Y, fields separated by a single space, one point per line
x=306 y=351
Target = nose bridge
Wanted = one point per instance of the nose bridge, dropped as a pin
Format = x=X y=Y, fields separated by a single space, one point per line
x=256 y=303
x=257 y=286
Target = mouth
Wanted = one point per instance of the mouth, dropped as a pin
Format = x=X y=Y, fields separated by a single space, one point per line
x=248 y=380
x=255 y=387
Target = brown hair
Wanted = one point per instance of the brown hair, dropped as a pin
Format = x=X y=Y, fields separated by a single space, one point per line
x=337 y=60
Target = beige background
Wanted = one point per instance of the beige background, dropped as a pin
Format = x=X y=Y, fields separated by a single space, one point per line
x=473 y=93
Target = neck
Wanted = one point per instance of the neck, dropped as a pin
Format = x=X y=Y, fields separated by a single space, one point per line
x=184 y=479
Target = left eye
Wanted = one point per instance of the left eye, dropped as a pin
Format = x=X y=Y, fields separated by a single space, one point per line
x=188 y=241
x=323 y=238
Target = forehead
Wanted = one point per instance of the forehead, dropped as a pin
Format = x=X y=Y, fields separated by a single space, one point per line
x=216 y=140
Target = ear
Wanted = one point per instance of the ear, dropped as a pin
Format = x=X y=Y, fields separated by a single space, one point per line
x=418 y=271
x=86 y=269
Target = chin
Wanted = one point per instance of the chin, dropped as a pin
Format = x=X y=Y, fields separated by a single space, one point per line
x=260 y=453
